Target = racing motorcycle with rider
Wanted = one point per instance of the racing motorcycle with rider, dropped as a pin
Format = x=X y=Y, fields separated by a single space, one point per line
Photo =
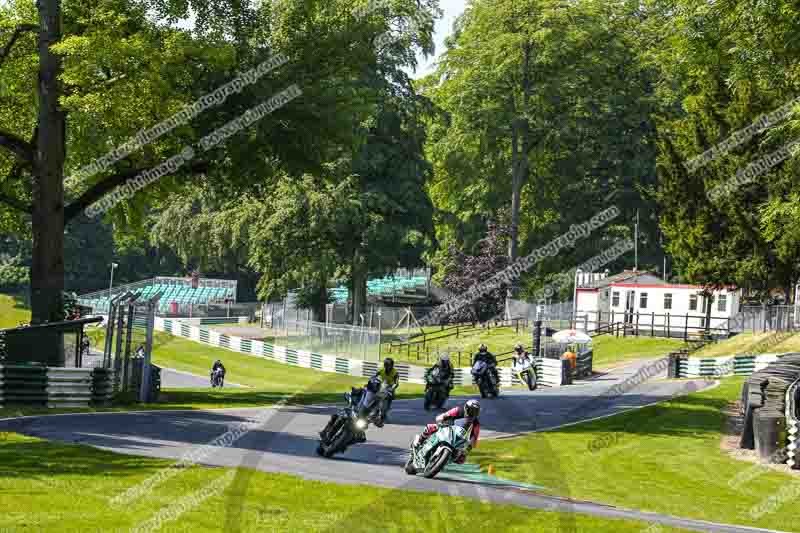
x=484 y=372
x=450 y=439
x=366 y=405
x=438 y=382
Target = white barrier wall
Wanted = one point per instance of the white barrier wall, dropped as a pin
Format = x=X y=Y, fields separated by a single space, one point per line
x=549 y=370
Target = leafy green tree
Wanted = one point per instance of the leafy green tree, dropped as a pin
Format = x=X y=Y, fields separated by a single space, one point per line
x=721 y=69
x=544 y=103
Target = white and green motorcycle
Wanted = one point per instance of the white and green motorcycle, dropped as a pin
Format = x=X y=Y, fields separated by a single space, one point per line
x=430 y=458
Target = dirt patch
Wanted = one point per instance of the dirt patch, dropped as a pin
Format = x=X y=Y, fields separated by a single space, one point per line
x=732 y=433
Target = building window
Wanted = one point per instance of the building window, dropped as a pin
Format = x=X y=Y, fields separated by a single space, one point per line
x=722 y=303
x=643 y=301
x=668 y=301
x=615 y=298
x=693 y=302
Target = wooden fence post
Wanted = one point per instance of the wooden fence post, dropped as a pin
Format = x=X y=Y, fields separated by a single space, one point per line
x=686 y=328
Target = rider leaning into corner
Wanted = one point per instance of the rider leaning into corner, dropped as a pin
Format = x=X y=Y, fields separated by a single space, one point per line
x=389 y=375
x=464 y=416
x=488 y=357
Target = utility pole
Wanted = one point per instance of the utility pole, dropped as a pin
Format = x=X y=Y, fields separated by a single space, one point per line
x=636 y=242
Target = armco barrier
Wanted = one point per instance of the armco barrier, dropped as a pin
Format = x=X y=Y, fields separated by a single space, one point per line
x=69 y=387
x=740 y=365
x=54 y=387
x=550 y=371
x=793 y=424
x=25 y=385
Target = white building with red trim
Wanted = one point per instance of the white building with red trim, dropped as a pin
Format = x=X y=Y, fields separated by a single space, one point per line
x=643 y=299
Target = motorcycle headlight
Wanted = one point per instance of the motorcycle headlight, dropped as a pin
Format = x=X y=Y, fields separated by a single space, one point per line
x=361 y=424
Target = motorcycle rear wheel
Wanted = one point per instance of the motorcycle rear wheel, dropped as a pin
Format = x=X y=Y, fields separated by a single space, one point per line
x=439 y=461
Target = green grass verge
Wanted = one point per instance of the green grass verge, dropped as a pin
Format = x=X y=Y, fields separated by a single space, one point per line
x=608 y=350
x=665 y=458
x=12 y=312
x=55 y=487
x=749 y=342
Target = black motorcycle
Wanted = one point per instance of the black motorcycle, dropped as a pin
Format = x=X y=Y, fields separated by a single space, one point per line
x=217 y=378
x=485 y=379
x=350 y=426
x=436 y=389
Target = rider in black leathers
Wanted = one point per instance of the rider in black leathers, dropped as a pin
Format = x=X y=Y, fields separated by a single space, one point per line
x=488 y=357
x=218 y=364
x=445 y=370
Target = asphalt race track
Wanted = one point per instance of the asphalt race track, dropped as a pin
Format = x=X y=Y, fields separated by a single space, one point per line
x=287 y=438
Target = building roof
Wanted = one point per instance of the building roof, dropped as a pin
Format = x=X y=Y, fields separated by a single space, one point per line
x=627 y=276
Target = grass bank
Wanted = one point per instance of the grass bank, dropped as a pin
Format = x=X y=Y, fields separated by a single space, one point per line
x=665 y=458
x=54 y=487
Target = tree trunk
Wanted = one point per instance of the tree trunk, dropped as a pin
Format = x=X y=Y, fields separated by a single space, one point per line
x=358 y=288
x=319 y=303
x=520 y=146
x=47 y=221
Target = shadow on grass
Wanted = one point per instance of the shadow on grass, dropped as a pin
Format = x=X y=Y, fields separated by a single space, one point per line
x=22 y=457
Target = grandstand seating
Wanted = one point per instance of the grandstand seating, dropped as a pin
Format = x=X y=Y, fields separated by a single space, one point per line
x=180 y=294
x=385 y=287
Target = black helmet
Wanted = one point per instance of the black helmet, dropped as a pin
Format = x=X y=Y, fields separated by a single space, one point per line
x=519 y=348
x=472 y=408
x=482 y=348
x=374 y=385
x=388 y=364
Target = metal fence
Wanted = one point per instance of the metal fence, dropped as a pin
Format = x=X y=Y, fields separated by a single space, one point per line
x=766 y=318
x=250 y=310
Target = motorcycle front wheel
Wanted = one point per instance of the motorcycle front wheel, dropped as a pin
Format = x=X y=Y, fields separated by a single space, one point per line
x=530 y=378
x=339 y=444
x=438 y=462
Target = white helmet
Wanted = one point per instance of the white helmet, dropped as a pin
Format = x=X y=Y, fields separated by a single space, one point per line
x=444 y=357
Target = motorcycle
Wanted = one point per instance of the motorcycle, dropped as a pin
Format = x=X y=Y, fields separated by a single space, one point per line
x=374 y=401
x=485 y=379
x=436 y=389
x=350 y=426
x=526 y=372
x=217 y=378
x=438 y=450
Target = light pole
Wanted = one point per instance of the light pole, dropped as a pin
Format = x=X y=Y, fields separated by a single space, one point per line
x=111 y=283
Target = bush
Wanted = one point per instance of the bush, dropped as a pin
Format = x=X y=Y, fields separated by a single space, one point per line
x=13 y=275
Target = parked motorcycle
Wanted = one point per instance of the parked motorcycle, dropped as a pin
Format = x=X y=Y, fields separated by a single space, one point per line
x=350 y=426
x=485 y=379
x=438 y=450
x=436 y=389
x=217 y=378
x=526 y=372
